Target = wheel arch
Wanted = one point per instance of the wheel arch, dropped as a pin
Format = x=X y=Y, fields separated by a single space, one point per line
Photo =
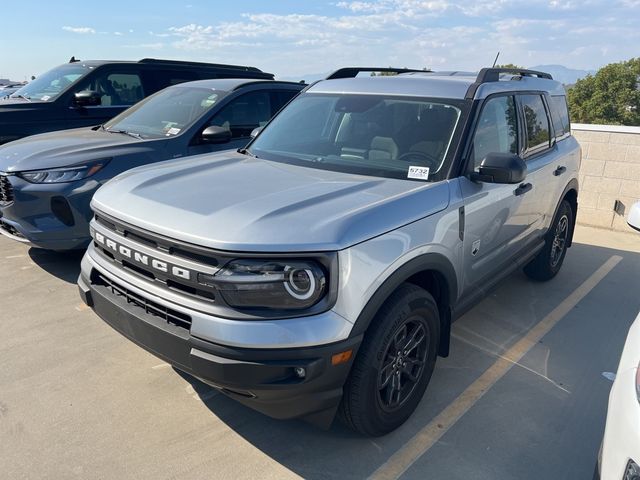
x=431 y=271
x=570 y=194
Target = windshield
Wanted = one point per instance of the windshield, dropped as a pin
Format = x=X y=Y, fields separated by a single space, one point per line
x=168 y=112
x=366 y=134
x=51 y=84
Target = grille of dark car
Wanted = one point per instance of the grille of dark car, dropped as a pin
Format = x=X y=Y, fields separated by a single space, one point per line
x=150 y=308
x=6 y=191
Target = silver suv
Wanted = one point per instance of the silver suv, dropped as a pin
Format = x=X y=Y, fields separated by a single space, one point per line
x=318 y=270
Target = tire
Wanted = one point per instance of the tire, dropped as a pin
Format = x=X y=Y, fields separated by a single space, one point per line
x=547 y=263
x=372 y=403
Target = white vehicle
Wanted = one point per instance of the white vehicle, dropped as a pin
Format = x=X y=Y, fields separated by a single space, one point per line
x=620 y=454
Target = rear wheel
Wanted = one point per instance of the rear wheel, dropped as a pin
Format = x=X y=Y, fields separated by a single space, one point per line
x=547 y=263
x=395 y=363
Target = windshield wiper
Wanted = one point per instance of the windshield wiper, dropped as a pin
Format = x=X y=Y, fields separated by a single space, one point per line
x=124 y=132
x=19 y=95
x=245 y=151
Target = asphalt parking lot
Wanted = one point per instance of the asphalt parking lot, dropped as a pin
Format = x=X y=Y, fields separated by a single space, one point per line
x=522 y=395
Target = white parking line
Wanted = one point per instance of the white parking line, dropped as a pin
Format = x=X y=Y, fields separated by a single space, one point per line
x=422 y=441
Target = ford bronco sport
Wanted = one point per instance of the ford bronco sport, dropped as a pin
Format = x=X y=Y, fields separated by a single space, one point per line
x=318 y=270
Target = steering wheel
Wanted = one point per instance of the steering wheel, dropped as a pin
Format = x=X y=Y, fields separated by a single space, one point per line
x=421 y=157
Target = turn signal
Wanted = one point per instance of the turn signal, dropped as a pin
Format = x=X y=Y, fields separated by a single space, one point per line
x=342 y=357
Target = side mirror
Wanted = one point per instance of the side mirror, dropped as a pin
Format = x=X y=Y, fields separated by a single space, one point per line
x=634 y=216
x=87 y=98
x=216 y=134
x=255 y=132
x=501 y=168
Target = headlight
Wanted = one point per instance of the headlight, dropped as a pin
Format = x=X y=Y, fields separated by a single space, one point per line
x=61 y=175
x=277 y=284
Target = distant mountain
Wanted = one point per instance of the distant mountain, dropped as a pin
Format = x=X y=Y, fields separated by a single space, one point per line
x=568 y=76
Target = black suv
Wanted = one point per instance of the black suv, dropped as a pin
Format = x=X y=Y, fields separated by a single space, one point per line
x=82 y=94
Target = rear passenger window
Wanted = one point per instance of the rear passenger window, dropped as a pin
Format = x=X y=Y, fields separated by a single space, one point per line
x=497 y=129
x=537 y=123
x=244 y=113
x=560 y=116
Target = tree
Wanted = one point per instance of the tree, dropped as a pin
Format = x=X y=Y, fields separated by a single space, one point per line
x=509 y=65
x=611 y=96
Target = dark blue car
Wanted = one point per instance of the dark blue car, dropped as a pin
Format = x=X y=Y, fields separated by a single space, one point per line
x=47 y=181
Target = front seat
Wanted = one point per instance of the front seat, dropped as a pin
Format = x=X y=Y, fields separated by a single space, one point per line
x=383 y=148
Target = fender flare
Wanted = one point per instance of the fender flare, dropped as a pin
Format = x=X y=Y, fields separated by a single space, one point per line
x=572 y=185
x=429 y=261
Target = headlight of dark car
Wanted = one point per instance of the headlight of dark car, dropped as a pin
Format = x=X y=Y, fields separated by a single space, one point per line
x=275 y=284
x=64 y=174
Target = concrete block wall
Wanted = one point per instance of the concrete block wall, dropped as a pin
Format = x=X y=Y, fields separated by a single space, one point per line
x=610 y=171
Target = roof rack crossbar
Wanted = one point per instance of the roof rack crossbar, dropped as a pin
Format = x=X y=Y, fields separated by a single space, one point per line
x=351 y=72
x=202 y=64
x=487 y=75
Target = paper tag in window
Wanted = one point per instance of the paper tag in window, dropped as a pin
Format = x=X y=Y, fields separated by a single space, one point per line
x=173 y=131
x=418 y=173
x=44 y=98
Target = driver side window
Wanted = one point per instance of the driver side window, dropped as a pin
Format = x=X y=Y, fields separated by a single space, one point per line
x=244 y=113
x=115 y=88
x=497 y=130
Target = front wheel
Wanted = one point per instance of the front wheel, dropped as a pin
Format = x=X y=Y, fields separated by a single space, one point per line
x=395 y=363
x=547 y=263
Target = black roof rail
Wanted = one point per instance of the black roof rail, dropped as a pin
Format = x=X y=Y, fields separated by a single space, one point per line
x=200 y=64
x=487 y=75
x=351 y=72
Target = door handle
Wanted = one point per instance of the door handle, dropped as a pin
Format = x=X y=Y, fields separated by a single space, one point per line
x=559 y=171
x=522 y=189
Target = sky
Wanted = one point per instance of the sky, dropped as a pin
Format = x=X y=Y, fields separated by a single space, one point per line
x=303 y=37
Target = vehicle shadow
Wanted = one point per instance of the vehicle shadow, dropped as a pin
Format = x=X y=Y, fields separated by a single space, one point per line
x=586 y=342
x=63 y=265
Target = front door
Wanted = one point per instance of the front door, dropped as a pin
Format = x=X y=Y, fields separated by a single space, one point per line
x=498 y=217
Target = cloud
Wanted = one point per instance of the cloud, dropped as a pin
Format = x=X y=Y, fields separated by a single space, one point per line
x=118 y=34
x=80 y=30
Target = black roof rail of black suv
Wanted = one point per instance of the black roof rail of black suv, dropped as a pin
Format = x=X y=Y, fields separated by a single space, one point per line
x=492 y=74
x=199 y=64
x=351 y=72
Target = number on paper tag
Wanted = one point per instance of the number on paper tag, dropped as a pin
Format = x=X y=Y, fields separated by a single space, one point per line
x=418 y=173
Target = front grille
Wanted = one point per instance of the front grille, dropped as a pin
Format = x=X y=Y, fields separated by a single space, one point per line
x=149 y=307
x=6 y=191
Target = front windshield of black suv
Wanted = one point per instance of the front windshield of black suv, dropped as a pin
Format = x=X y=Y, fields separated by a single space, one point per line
x=397 y=137
x=51 y=84
x=167 y=113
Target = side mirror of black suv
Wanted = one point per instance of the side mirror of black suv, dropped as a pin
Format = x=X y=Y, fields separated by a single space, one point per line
x=501 y=168
x=87 y=98
x=216 y=134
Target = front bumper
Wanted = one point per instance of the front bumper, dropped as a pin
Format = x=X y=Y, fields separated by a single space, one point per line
x=30 y=219
x=263 y=378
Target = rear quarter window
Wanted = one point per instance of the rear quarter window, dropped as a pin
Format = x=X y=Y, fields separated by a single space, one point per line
x=560 y=116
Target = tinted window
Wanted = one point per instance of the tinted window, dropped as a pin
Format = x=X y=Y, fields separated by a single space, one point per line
x=127 y=87
x=497 y=129
x=115 y=88
x=537 y=122
x=366 y=134
x=560 y=115
x=244 y=113
x=280 y=98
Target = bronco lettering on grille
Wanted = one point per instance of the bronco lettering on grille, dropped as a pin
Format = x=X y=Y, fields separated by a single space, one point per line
x=143 y=259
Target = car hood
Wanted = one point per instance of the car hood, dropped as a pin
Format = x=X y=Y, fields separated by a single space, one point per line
x=66 y=148
x=232 y=202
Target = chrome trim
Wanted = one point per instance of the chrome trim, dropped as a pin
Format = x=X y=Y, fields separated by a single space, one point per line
x=322 y=329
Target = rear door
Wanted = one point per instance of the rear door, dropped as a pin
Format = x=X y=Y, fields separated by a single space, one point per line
x=497 y=219
x=540 y=152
